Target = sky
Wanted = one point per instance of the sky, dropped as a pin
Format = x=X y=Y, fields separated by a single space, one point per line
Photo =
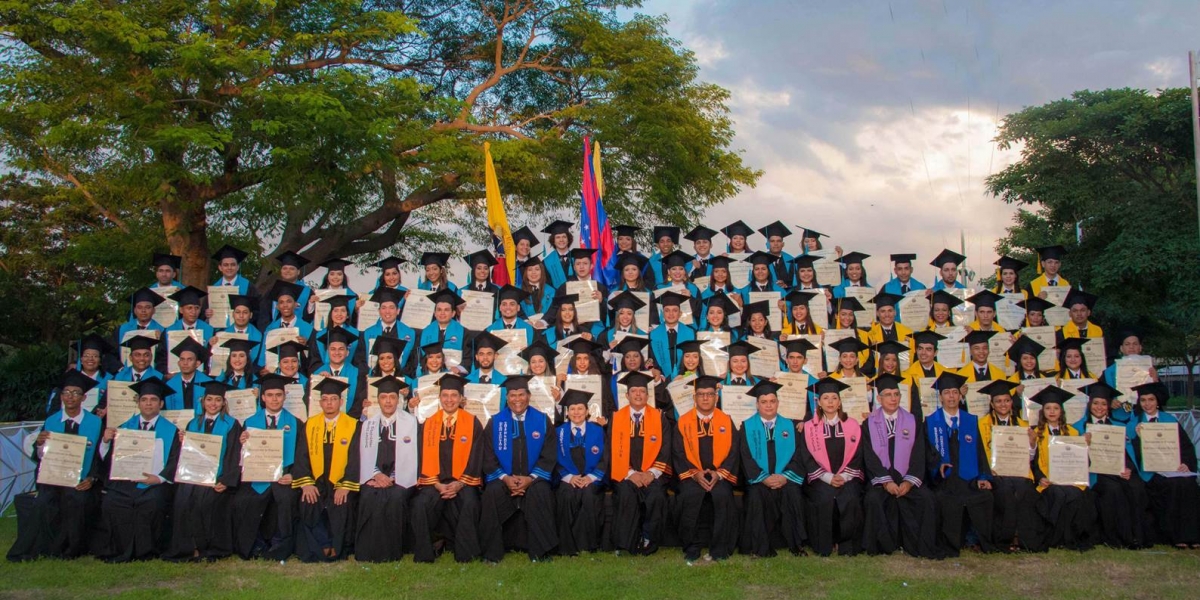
x=873 y=121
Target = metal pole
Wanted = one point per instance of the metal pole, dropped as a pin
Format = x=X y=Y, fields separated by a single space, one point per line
x=1195 y=125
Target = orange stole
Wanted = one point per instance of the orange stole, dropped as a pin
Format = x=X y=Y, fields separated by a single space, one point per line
x=623 y=430
x=464 y=438
x=689 y=428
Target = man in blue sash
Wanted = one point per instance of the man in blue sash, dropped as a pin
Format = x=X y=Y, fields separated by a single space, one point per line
x=961 y=477
x=774 y=501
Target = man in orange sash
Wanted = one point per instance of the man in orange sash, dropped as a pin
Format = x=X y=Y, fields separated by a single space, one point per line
x=450 y=475
x=639 y=449
x=706 y=459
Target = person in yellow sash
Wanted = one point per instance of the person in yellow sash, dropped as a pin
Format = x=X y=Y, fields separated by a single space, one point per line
x=1068 y=510
x=327 y=478
x=1049 y=264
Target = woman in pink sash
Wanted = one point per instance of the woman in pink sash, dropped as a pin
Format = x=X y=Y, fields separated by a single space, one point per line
x=832 y=457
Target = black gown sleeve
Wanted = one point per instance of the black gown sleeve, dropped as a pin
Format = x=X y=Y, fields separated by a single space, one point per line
x=301 y=466
x=1187 y=450
x=549 y=456
x=474 y=466
x=351 y=474
x=871 y=463
x=168 y=470
x=730 y=464
x=916 y=460
x=231 y=472
x=750 y=468
x=490 y=462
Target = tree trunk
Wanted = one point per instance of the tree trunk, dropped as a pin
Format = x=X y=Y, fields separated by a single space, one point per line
x=185 y=222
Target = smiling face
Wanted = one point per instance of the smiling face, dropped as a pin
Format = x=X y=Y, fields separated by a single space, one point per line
x=518 y=401
x=228 y=267
x=1002 y=405
x=149 y=405
x=830 y=403
x=768 y=406
x=273 y=399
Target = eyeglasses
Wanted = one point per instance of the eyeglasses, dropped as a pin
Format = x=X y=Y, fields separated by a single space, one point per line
x=705 y=394
x=70 y=393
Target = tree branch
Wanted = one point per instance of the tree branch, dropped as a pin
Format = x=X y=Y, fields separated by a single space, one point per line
x=61 y=171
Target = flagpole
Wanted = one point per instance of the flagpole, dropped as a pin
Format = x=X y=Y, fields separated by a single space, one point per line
x=1195 y=126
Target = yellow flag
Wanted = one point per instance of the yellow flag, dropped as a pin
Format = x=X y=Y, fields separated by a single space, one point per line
x=497 y=219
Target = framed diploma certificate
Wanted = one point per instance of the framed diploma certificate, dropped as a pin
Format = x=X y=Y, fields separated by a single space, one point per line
x=736 y=403
x=739 y=269
x=682 y=394
x=133 y=454
x=774 y=316
x=1056 y=295
x=1045 y=336
x=1160 y=447
x=865 y=296
x=218 y=301
x=483 y=400
x=199 y=459
x=587 y=309
x=478 y=310
x=793 y=396
x=541 y=394
x=418 y=309
x=293 y=399
x=167 y=312
x=1132 y=371
x=178 y=418
x=1068 y=460
x=593 y=385
x=855 y=402
x=1010 y=451
x=262 y=455
x=764 y=362
x=713 y=357
x=62 y=460
x=122 y=402
x=964 y=313
x=368 y=314
x=977 y=401
x=242 y=403
x=1010 y=316
x=914 y=310
x=1107 y=449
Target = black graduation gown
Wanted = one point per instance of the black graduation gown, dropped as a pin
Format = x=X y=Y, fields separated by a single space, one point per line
x=57 y=522
x=325 y=524
x=956 y=496
x=455 y=520
x=767 y=510
x=1015 y=512
x=834 y=515
x=136 y=518
x=264 y=524
x=908 y=522
x=1174 y=500
x=1122 y=507
x=382 y=512
x=579 y=512
x=1068 y=513
x=639 y=512
x=690 y=499
x=500 y=529
x=201 y=525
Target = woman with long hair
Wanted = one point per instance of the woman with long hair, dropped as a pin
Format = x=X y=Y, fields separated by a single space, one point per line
x=832 y=459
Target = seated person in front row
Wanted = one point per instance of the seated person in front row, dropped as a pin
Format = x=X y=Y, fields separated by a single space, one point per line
x=386 y=451
x=327 y=478
x=774 y=501
x=706 y=460
x=961 y=479
x=581 y=463
x=640 y=449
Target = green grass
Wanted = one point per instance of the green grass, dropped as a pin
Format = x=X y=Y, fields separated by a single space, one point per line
x=1157 y=573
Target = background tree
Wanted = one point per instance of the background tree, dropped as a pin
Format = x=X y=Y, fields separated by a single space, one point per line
x=1117 y=164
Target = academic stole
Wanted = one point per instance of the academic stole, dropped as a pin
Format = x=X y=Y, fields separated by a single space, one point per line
x=343 y=432
x=463 y=435
x=719 y=428
x=623 y=431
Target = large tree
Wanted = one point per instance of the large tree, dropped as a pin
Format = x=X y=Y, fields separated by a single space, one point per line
x=345 y=128
x=1110 y=175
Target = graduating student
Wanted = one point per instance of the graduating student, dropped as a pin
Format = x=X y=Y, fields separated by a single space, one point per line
x=229 y=263
x=947 y=263
x=886 y=328
x=850 y=351
x=795 y=359
x=701 y=239
x=94 y=360
x=832 y=460
x=523 y=240
x=845 y=318
x=959 y=474
x=719 y=282
x=566 y=322
x=264 y=512
x=509 y=299
x=1080 y=304
x=900 y=510
x=559 y=263
x=980 y=369
x=739 y=364
x=737 y=232
x=1073 y=362
x=389 y=326
x=1173 y=498
x=579 y=498
x=486 y=347
x=622 y=308
x=338 y=319
x=62 y=516
x=1121 y=502
x=285 y=297
x=1024 y=353
x=666 y=241
x=583 y=271
x=1068 y=511
x=451 y=473
x=985 y=312
x=519 y=462
x=339 y=366
x=761 y=276
x=1008 y=280
x=926 y=365
x=390 y=276
x=166 y=269
x=142 y=350
x=676 y=265
x=854 y=274
x=706 y=459
x=189 y=300
x=291 y=268
x=755 y=322
x=334 y=279
x=623 y=234
x=632 y=271
x=240 y=373
x=798 y=319
x=1049 y=264
x=1129 y=343
x=539 y=292
x=141 y=319
x=666 y=338
x=781 y=267
x=437 y=273
x=201 y=523
x=903 y=283
x=941 y=306
x=480 y=279
x=770 y=468
x=716 y=316
x=445 y=328
x=1015 y=523
x=134 y=512
x=386 y=450
x=327 y=478
x=1035 y=311
x=191 y=356
x=639 y=458
x=241 y=311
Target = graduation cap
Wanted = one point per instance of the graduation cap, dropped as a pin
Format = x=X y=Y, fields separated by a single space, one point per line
x=238 y=345
x=292 y=259
x=228 y=251
x=95 y=342
x=532 y=261
x=661 y=231
x=216 y=388
x=760 y=308
x=742 y=348
x=999 y=387
x=853 y=258
x=274 y=381
x=146 y=295
x=539 y=347
x=737 y=228
x=1052 y=394
x=434 y=258
x=636 y=379
x=927 y=337
x=292 y=349
x=632 y=258
x=700 y=232
x=805 y=261
x=724 y=302
x=672 y=299
x=985 y=299
x=811 y=234
x=764 y=387
x=1055 y=252
x=626 y=299
x=446 y=295
x=573 y=397
x=340 y=334
x=140 y=342
x=1035 y=304
x=1078 y=296
x=883 y=299
x=706 y=382
x=583 y=346
x=850 y=344
x=849 y=303
x=283 y=288
x=558 y=301
x=431 y=348
x=828 y=385
x=775 y=229
x=152 y=386
x=890 y=347
x=797 y=345
x=690 y=346
x=331 y=386
x=947 y=256
x=485 y=339
x=798 y=296
x=483 y=257
x=390 y=384
x=450 y=381
x=189 y=344
x=509 y=292
x=336 y=264
x=515 y=383
x=887 y=381
x=390 y=262
x=388 y=345
x=720 y=262
x=168 y=260
x=76 y=378
x=188 y=296
x=762 y=258
x=944 y=297
x=387 y=294
x=625 y=230
x=949 y=380
x=903 y=258
x=236 y=300
x=1008 y=262
x=677 y=258
x=581 y=253
x=978 y=337
x=1153 y=388
x=558 y=227
x=526 y=234
x=1071 y=344
x=342 y=300
x=1024 y=345
x=1100 y=390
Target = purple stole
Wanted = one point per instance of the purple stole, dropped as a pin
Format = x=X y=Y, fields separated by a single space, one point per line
x=877 y=426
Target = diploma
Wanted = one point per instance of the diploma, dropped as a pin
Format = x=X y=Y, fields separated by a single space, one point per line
x=1094 y=354
x=219 y=355
x=1160 y=447
x=262 y=455
x=321 y=316
x=1107 y=449
x=167 y=312
x=832 y=355
x=641 y=317
x=739 y=269
x=199 y=459
x=855 y=402
x=682 y=394
x=133 y=453
x=371 y=404
x=418 y=309
x=1010 y=451
x=914 y=310
x=812 y=358
x=429 y=401
x=685 y=308
x=1074 y=408
x=737 y=403
x=1032 y=387
x=130 y=334
x=1010 y=316
x=928 y=395
x=1059 y=315
x=1068 y=460
x=826 y=268
x=508 y=358
x=293 y=399
x=793 y=396
x=623 y=393
x=774 y=316
x=818 y=309
x=593 y=385
x=977 y=401
x=314 y=395
x=479 y=310
x=453 y=358
x=997 y=353
x=174 y=338
x=122 y=402
x=62 y=460
x=713 y=357
x=952 y=355
x=587 y=309
x=963 y=314
x=541 y=394
x=1045 y=336
x=702 y=282
x=272 y=340
x=1132 y=371
x=764 y=362
x=865 y=295
x=218 y=301
x=242 y=404
x=368 y=314
x=483 y=400
x=178 y=418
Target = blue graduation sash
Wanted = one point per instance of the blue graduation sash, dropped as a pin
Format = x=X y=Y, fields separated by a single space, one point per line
x=938 y=431
x=289 y=424
x=504 y=430
x=785 y=446
x=593 y=444
x=164 y=431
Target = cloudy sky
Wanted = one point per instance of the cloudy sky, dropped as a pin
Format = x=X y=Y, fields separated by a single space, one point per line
x=873 y=121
